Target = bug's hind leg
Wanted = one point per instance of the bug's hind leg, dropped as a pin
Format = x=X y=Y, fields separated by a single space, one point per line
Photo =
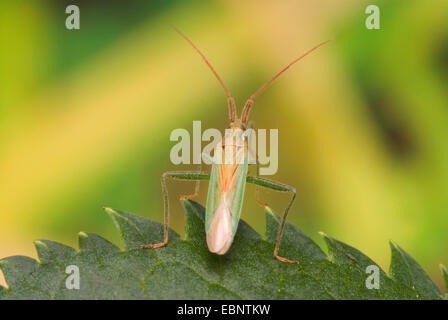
x=252 y=152
x=196 y=188
x=178 y=175
x=257 y=186
x=281 y=188
x=165 y=214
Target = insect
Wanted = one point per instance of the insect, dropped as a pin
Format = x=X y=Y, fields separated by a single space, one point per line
x=228 y=178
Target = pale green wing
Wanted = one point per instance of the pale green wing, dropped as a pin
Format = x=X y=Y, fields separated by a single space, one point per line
x=234 y=196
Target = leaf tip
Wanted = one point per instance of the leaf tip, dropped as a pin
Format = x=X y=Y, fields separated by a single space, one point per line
x=269 y=210
x=393 y=245
x=39 y=243
x=184 y=202
x=83 y=234
x=270 y=213
x=111 y=212
x=443 y=270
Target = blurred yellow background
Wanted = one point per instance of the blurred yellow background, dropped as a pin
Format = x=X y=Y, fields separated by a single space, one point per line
x=85 y=115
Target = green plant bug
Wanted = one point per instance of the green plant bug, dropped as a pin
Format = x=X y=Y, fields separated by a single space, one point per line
x=228 y=178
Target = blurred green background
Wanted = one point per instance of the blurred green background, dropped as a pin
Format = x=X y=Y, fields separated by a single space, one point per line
x=85 y=115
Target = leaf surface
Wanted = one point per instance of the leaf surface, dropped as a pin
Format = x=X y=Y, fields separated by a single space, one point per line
x=185 y=269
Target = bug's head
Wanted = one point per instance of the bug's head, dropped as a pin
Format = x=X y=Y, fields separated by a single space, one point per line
x=237 y=124
x=241 y=122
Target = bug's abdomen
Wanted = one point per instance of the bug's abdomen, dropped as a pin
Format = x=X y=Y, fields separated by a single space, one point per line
x=220 y=236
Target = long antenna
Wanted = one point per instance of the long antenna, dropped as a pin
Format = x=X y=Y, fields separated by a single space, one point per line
x=230 y=100
x=250 y=101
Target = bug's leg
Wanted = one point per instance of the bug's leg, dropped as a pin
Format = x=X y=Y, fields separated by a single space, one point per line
x=277 y=186
x=196 y=187
x=257 y=186
x=176 y=175
x=251 y=125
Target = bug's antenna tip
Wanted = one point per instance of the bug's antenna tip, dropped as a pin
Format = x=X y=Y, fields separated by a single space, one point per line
x=227 y=92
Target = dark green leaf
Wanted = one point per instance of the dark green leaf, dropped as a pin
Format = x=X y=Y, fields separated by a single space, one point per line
x=405 y=269
x=185 y=269
x=445 y=278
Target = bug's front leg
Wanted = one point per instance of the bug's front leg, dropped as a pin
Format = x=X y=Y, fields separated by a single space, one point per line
x=176 y=175
x=276 y=186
